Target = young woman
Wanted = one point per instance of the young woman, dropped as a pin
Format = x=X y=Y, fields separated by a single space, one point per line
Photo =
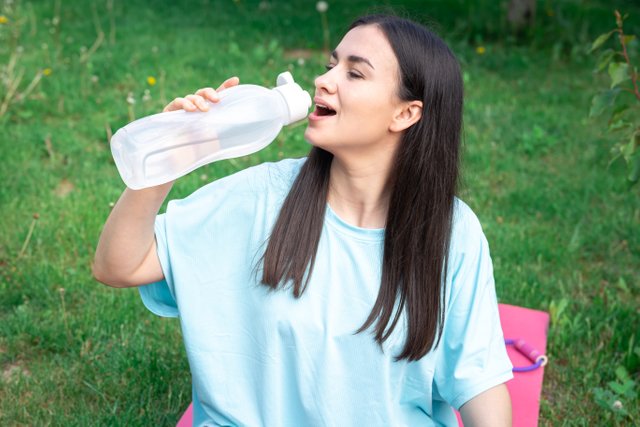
x=350 y=288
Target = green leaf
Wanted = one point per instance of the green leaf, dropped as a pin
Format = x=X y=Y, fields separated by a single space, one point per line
x=602 y=101
x=628 y=39
x=605 y=58
x=633 y=177
x=622 y=285
x=622 y=374
x=617 y=388
x=556 y=309
x=618 y=125
x=619 y=112
x=618 y=120
x=629 y=149
x=619 y=72
x=629 y=388
x=602 y=38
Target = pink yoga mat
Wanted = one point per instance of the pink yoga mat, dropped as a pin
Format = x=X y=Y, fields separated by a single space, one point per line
x=525 y=387
x=187 y=418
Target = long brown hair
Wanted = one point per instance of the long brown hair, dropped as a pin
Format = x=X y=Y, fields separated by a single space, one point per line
x=423 y=183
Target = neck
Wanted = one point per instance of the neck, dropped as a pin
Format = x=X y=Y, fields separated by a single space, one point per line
x=358 y=190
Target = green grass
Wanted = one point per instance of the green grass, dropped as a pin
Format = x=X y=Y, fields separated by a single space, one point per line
x=563 y=228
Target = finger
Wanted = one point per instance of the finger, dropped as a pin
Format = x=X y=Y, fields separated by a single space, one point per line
x=198 y=101
x=188 y=106
x=174 y=105
x=230 y=82
x=183 y=103
x=209 y=94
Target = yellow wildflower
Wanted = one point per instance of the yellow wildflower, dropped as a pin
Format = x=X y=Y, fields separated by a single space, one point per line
x=47 y=71
x=151 y=80
x=480 y=50
x=3 y=19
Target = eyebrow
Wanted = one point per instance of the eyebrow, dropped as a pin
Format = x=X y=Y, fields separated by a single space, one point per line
x=353 y=58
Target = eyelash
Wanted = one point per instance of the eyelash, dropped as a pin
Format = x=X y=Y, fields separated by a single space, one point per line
x=351 y=74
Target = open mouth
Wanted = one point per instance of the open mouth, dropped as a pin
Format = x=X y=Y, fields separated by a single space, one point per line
x=322 y=110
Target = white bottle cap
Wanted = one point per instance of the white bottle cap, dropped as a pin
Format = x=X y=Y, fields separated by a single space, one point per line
x=298 y=100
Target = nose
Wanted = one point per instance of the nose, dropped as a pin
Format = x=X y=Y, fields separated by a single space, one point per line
x=325 y=82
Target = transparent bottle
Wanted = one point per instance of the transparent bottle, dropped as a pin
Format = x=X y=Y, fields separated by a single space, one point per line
x=163 y=147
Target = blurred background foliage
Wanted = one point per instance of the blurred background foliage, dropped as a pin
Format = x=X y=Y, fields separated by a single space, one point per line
x=559 y=215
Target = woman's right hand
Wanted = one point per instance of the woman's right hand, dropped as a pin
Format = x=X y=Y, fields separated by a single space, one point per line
x=126 y=254
x=198 y=101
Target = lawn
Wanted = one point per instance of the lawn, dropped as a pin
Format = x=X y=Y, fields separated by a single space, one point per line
x=560 y=220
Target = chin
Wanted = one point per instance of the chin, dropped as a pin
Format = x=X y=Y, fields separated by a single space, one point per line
x=311 y=138
x=319 y=144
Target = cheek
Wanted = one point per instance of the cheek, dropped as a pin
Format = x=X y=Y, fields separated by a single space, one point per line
x=370 y=116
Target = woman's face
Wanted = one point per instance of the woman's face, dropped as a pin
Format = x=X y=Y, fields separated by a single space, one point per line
x=360 y=91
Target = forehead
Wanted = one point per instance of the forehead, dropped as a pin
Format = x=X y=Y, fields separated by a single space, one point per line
x=368 y=41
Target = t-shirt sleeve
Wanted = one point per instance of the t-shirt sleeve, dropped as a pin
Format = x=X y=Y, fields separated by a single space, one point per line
x=159 y=297
x=473 y=358
x=201 y=225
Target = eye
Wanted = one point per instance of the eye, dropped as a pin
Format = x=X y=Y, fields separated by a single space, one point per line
x=354 y=75
x=329 y=66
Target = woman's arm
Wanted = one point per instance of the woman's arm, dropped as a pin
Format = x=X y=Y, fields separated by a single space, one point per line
x=126 y=255
x=489 y=408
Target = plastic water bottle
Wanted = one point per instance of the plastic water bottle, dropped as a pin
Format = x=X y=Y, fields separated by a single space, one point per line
x=163 y=147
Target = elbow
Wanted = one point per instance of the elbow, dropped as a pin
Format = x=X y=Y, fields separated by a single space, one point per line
x=490 y=408
x=104 y=276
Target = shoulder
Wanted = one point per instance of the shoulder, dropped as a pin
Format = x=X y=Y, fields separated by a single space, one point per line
x=270 y=178
x=277 y=175
x=469 y=261
x=265 y=176
x=231 y=204
x=466 y=229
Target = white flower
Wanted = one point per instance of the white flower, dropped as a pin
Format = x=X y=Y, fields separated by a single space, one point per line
x=617 y=405
x=301 y=61
x=94 y=79
x=147 y=95
x=130 y=99
x=322 y=6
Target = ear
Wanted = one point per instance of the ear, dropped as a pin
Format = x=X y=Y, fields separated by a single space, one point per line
x=406 y=115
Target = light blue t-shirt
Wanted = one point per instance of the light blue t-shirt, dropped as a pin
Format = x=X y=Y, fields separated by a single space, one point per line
x=264 y=358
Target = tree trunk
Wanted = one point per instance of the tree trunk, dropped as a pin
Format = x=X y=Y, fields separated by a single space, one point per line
x=521 y=14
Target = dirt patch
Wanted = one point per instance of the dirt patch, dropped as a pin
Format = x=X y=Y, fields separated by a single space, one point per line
x=13 y=371
x=64 y=188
